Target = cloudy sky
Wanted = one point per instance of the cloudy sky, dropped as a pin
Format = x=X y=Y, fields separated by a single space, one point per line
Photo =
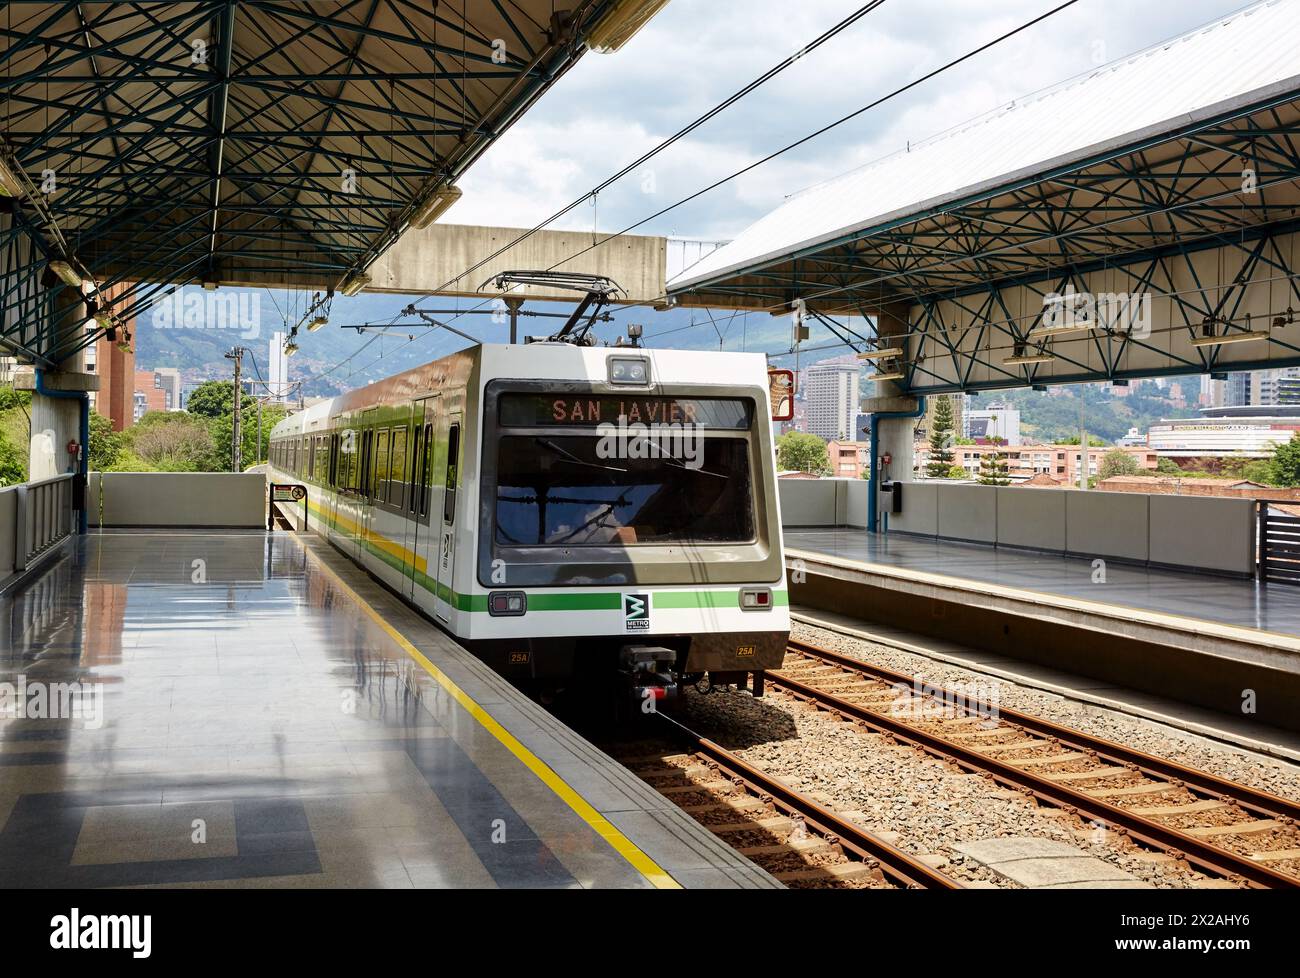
x=696 y=53
x=611 y=108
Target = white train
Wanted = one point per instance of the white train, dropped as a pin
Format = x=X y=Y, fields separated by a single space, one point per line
x=566 y=512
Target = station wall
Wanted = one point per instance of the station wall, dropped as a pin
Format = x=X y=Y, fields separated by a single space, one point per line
x=190 y=499
x=823 y=502
x=1197 y=532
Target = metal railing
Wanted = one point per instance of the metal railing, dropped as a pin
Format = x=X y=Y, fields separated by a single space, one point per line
x=1279 y=545
x=43 y=518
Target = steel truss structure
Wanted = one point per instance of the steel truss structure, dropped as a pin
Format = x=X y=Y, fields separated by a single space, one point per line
x=249 y=143
x=1201 y=219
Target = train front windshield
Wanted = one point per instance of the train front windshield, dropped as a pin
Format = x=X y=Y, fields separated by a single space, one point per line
x=608 y=471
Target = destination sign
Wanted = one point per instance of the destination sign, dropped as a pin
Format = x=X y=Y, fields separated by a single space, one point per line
x=590 y=410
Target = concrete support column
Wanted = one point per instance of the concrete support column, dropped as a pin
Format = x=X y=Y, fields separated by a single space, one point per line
x=56 y=420
x=894 y=434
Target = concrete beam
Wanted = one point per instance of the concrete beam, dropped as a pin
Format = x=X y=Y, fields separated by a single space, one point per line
x=892 y=403
x=422 y=262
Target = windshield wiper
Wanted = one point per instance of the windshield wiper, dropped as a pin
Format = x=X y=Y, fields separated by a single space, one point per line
x=570 y=457
x=677 y=463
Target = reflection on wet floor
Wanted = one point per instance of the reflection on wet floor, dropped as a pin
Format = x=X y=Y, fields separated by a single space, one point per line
x=228 y=716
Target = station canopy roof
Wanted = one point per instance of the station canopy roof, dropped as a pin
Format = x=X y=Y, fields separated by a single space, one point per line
x=1116 y=161
x=260 y=143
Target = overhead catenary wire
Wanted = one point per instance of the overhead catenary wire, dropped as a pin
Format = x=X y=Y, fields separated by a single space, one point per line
x=686 y=130
x=875 y=103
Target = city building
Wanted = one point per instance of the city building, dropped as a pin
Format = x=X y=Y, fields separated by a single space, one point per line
x=150 y=392
x=1134 y=439
x=994 y=421
x=1280 y=386
x=1248 y=430
x=114 y=362
x=832 y=400
x=1060 y=463
x=169 y=379
x=277 y=381
x=1174 y=486
x=849 y=459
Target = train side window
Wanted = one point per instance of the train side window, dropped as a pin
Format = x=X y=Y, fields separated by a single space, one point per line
x=453 y=457
x=397 y=462
x=380 y=484
x=334 y=461
x=417 y=462
x=363 y=471
x=347 y=455
x=427 y=468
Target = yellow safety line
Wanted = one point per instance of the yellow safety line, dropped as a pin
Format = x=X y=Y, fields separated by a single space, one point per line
x=621 y=844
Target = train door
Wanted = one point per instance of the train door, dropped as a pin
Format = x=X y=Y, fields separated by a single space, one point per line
x=364 y=484
x=445 y=517
x=420 y=445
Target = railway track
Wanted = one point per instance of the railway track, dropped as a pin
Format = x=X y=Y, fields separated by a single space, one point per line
x=797 y=839
x=1220 y=827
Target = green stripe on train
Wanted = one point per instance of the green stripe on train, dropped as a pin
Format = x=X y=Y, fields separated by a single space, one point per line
x=602 y=601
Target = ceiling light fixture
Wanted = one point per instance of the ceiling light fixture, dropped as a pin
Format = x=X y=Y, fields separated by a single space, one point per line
x=435 y=206
x=883 y=353
x=1247 y=336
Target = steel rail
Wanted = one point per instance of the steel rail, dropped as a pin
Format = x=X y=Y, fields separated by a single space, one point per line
x=1252 y=799
x=1218 y=861
x=897 y=865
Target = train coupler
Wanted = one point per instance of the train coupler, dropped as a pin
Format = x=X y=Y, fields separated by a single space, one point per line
x=648 y=671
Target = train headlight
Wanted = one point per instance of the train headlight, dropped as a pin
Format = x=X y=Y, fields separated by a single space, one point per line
x=629 y=370
x=507 y=604
x=755 y=599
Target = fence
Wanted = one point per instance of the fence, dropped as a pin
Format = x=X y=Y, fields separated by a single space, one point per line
x=36 y=517
x=1279 y=545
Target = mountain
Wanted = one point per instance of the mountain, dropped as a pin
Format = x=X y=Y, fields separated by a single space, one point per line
x=194 y=332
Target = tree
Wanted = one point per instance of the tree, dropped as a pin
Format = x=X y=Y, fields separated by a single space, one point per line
x=801 y=452
x=1093 y=441
x=994 y=470
x=216 y=399
x=941 y=456
x=1118 y=462
x=106 y=445
x=175 y=442
x=1285 y=463
x=1167 y=466
x=13 y=463
x=1260 y=470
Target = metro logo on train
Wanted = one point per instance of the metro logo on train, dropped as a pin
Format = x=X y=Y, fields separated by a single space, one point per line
x=636 y=612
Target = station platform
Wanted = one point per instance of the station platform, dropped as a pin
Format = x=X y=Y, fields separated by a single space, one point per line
x=250 y=710
x=1207 y=641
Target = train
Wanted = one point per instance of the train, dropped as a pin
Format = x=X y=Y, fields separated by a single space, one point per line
x=570 y=514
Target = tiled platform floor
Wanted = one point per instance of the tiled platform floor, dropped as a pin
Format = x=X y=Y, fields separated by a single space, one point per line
x=1226 y=601
x=246 y=723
